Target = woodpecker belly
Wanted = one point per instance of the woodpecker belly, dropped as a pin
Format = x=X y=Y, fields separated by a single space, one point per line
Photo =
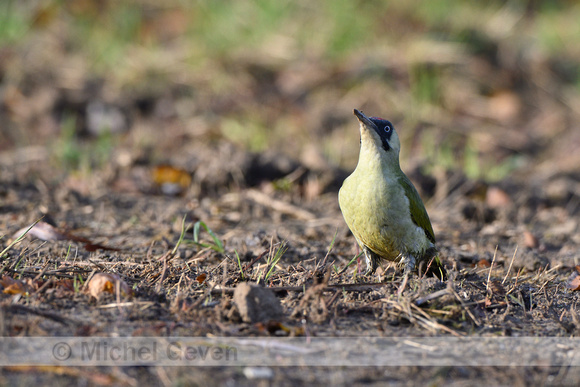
x=377 y=212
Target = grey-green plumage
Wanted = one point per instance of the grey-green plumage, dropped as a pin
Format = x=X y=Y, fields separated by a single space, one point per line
x=383 y=209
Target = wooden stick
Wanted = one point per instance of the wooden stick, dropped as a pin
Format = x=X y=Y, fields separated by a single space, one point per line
x=365 y=287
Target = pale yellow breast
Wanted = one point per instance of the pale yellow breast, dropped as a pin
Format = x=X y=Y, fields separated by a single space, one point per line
x=376 y=210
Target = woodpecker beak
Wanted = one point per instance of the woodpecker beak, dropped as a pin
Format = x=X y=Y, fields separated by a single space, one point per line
x=364 y=119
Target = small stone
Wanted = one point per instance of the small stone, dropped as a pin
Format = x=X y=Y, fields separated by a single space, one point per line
x=530 y=240
x=256 y=303
x=258 y=373
x=497 y=198
x=558 y=191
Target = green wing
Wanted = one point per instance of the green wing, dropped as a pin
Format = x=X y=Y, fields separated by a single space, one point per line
x=421 y=219
x=418 y=211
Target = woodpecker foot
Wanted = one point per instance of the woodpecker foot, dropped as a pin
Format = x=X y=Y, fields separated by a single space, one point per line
x=403 y=284
x=408 y=263
x=372 y=261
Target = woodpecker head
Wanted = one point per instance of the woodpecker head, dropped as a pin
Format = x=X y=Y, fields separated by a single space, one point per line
x=379 y=133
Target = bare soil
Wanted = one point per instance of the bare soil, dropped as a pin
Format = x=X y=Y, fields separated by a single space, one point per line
x=510 y=247
x=130 y=228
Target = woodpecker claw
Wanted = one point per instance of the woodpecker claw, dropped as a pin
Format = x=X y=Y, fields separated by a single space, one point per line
x=372 y=261
x=403 y=284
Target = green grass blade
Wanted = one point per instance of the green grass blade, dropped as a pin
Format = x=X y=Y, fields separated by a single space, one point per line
x=277 y=256
x=217 y=243
x=19 y=238
x=240 y=265
x=174 y=251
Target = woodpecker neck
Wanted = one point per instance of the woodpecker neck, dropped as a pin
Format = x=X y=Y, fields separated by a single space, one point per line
x=373 y=157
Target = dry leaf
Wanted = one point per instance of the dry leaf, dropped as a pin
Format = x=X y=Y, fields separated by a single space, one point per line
x=171 y=180
x=483 y=263
x=106 y=282
x=530 y=240
x=6 y=281
x=42 y=231
x=89 y=246
x=487 y=302
x=573 y=282
x=64 y=284
x=201 y=278
x=12 y=286
x=16 y=288
x=47 y=232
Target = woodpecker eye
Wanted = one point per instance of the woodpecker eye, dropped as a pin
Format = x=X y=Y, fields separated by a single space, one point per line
x=387 y=128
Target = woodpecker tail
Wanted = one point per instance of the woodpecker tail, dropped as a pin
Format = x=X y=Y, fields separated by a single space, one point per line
x=433 y=267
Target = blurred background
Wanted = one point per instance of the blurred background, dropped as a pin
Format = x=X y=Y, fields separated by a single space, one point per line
x=244 y=110
x=490 y=89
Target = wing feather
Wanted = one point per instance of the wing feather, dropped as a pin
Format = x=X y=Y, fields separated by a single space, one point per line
x=418 y=212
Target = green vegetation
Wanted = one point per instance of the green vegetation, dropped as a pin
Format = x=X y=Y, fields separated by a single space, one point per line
x=239 y=260
x=15 y=241
x=181 y=236
x=271 y=262
x=77 y=154
x=217 y=244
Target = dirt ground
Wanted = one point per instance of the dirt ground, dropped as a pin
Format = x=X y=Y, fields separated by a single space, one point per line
x=132 y=231
x=117 y=202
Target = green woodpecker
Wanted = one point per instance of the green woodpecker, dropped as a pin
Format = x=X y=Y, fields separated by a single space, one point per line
x=383 y=209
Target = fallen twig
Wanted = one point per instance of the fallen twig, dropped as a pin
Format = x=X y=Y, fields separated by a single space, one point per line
x=432 y=296
x=202 y=298
x=510 y=267
x=464 y=306
x=490 y=269
x=249 y=265
x=50 y=315
x=365 y=287
x=278 y=205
